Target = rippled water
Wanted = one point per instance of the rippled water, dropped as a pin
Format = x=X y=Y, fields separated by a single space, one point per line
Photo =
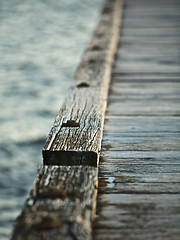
x=41 y=44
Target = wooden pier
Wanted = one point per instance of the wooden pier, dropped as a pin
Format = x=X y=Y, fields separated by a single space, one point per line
x=128 y=187
x=139 y=172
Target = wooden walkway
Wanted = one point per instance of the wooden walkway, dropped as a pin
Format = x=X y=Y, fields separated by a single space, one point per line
x=139 y=174
x=62 y=201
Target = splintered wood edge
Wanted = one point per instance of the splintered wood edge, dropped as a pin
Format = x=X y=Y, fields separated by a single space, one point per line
x=75 y=138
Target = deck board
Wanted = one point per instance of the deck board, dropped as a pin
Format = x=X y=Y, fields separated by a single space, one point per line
x=139 y=173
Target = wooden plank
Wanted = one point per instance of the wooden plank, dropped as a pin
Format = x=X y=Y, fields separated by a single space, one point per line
x=151 y=97
x=130 y=201
x=143 y=178
x=147 y=67
x=141 y=88
x=147 y=4
x=143 y=126
x=61 y=204
x=146 y=75
x=110 y=185
x=113 y=233
x=139 y=168
x=138 y=216
x=138 y=173
x=144 y=134
x=145 y=108
x=161 y=9
x=150 y=40
x=151 y=78
x=149 y=22
x=139 y=176
x=141 y=143
x=149 y=53
x=154 y=209
x=144 y=161
x=152 y=222
x=156 y=155
x=148 y=49
x=154 y=12
x=117 y=172
x=154 y=31
x=75 y=137
x=153 y=94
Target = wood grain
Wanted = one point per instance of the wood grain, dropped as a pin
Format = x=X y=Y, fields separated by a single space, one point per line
x=61 y=204
x=87 y=98
x=145 y=98
x=139 y=171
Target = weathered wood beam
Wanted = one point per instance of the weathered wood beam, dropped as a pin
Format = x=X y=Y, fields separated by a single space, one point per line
x=61 y=204
x=75 y=138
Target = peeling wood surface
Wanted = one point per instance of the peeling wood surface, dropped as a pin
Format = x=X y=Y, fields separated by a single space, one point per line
x=139 y=172
x=61 y=204
x=85 y=104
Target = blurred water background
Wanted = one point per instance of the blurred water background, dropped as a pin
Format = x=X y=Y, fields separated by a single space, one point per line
x=41 y=44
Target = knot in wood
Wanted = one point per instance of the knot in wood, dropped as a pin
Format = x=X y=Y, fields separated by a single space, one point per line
x=71 y=123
